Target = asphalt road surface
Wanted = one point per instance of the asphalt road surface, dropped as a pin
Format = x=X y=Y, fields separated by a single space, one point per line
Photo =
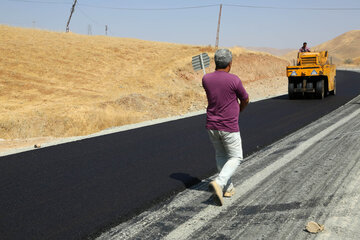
x=79 y=189
x=311 y=175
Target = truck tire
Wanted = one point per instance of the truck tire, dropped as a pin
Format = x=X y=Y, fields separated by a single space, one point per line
x=333 y=92
x=291 y=90
x=319 y=90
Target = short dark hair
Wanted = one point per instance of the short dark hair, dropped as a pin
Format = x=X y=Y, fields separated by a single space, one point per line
x=304 y=43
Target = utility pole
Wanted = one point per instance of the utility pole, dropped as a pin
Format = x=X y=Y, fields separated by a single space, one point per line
x=89 y=30
x=218 y=29
x=71 y=13
x=106 y=29
x=33 y=24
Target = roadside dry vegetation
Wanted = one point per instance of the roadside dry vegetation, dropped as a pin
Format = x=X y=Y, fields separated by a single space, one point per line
x=58 y=84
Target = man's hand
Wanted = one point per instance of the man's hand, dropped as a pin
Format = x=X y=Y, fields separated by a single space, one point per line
x=243 y=104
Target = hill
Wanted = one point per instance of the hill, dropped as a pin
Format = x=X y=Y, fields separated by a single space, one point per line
x=272 y=51
x=66 y=84
x=342 y=48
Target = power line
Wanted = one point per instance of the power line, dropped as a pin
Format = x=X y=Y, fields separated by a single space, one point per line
x=88 y=17
x=215 y=5
x=107 y=29
x=194 y=7
x=44 y=2
x=287 y=8
x=150 y=9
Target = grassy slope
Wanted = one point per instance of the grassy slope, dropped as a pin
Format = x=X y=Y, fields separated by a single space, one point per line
x=344 y=46
x=58 y=84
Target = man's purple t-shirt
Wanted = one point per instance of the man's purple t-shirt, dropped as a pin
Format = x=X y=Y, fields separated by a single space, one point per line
x=304 y=49
x=223 y=91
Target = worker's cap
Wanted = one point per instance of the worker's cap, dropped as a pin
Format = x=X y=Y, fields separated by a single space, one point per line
x=222 y=58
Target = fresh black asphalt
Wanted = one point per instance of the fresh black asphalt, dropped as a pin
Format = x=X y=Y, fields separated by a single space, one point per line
x=75 y=190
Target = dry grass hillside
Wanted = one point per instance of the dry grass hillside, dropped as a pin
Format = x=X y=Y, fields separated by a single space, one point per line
x=357 y=61
x=58 y=84
x=343 y=49
x=273 y=51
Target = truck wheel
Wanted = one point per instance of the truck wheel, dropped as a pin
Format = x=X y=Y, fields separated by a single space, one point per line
x=333 y=92
x=291 y=90
x=319 y=91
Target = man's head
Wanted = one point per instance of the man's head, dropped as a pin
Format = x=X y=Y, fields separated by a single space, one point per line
x=304 y=44
x=223 y=59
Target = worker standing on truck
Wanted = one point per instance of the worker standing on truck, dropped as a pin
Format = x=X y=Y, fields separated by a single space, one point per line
x=304 y=48
x=223 y=90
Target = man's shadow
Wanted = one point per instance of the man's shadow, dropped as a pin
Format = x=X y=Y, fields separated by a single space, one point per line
x=194 y=183
x=191 y=182
x=186 y=179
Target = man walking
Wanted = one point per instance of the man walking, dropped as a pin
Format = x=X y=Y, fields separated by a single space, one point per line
x=223 y=90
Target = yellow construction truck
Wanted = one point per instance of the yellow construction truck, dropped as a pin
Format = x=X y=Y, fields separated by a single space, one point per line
x=313 y=75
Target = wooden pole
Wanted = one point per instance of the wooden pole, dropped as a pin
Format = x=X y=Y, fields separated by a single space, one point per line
x=218 y=29
x=71 y=13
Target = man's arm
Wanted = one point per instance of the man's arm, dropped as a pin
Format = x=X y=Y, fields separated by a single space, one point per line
x=243 y=104
x=242 y=96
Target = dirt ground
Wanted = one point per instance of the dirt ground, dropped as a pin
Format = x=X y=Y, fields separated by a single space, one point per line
x=55 y=85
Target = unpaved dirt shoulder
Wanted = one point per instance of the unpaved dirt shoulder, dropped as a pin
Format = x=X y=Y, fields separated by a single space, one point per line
x=7 y=145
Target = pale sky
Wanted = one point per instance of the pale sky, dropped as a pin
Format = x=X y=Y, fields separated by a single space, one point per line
x=287 y=27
